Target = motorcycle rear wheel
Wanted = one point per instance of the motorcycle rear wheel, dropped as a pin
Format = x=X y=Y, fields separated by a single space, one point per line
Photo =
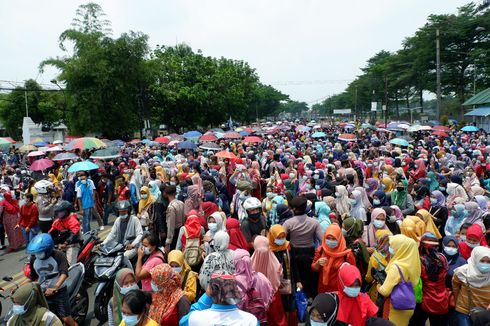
x=80 y=306
x=101 y=303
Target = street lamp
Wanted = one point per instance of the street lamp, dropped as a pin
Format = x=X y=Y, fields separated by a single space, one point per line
x=55 y=82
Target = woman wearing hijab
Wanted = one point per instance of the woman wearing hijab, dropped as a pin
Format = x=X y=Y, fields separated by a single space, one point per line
x=419 y=171
x=404 y=260
x=135 y=185
x=237 y=239
x=252 y=284
x=372 y=185
x=413 y=227
x=352 y=229
x=378 y=222
x=455 y=192
x=190 y=230
x=355 y=307
x=324 y=310
x=30 y=308
x=264 y=261
x=124 y=282
x=474 y=238
x=322 y=213
x=438 y=209
x=380 y=199
x=215 y=224
x=471 y=284
x=474 y=213
x=169 y=304
x=272 y=218
x=428 y=219
x=451 y=251
x=342 y=200
x=358 y=210
x=329 y=256
x=189 y=278
x=387 y=185
x=146 y=208
x=220 y=260
x=10 y=217
x=394 y=218
x=422 y=197
x=435 y=298
x=455 y=220
x=401 y=198
x=280 y=247
x=434 y=183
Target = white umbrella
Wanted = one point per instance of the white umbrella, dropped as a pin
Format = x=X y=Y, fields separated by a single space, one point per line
x=55 y=149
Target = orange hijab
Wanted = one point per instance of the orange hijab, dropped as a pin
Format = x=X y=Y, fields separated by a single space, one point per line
x=341 y=250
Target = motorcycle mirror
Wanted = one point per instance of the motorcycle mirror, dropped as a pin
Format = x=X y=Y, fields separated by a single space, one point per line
x=7 y=278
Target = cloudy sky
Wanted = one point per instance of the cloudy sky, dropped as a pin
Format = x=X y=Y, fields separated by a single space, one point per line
x=309 y=49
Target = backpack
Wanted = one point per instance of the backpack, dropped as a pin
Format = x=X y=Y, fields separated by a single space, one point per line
x=254 y=304
x=192 y=251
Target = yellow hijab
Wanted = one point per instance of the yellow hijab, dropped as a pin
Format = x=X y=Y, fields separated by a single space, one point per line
x=428 y=219
x=413 y=227
x=389 y=184
x=144 y=203
x=176 y=256
x=406 y=257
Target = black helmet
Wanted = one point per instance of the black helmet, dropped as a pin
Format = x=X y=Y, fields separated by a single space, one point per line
x=62 y=209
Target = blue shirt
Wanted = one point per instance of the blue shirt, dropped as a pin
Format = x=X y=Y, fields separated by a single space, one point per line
x=86 y=193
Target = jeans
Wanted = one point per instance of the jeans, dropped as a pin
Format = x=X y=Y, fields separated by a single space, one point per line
x=87 y=217
x=463 y=319
x=29 y=235
x=107 y=211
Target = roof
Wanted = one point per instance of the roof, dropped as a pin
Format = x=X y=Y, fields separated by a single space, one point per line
x=480 y=112
x=481 y=98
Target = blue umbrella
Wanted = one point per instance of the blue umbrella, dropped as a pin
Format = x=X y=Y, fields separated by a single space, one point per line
x=40 y=144
x=469 y=128
x=117 y=143
x=146 y=141
x=65 y=157
x=319 y=134
x=186 y=145
x=82 y=166
x=399 y=142
x=244 y=133
x=192 y=134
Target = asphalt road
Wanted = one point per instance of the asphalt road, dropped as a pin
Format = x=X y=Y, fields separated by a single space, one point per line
x=12 y=264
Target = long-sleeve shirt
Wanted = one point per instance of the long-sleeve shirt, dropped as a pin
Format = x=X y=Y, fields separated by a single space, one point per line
x=70 y=223
x=45 y=208
x=133 y=229
x=303 y=231
x=175 y=218
x=480 y=297
x=28 y=216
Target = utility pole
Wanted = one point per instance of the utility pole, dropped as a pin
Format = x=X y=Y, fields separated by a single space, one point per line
x=25 y=98
x=438 y=75
x=385 y=107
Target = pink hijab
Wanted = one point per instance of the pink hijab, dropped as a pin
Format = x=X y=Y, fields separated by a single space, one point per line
x=193 y=200
x=197 y=181
x=265 y=262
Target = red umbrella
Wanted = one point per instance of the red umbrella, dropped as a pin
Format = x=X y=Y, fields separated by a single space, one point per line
x=252 y=139
x=163 y=140
x=440 y=134
x=347 y=137
x=41 y=164
x=208 y=138
x=232 y=135
x=225 y=154
x=442 y=128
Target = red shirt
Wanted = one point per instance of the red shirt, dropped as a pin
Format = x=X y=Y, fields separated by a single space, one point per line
x=28 y=216
x=70 y=223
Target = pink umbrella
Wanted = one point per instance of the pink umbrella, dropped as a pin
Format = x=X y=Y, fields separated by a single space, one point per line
x=41 y=164
x=232 y=135
x=36 y=153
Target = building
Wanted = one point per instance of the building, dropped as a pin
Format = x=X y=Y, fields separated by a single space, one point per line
x=480 y=115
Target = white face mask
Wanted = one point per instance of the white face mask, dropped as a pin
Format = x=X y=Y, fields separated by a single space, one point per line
x=144 y=196
x=129 y=288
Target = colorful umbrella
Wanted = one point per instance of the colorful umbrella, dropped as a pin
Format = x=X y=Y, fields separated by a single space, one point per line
x=232 y=135
x=208 y=138
x=442 y=128
x=210 y=146
x=368 y=126
x=36 y=153
x=41 y=164
x=319 y=134
x=440 y=133
x=252 y=139
x=10 y=140
x=37 y=140
x=82 y=166
x=65 y=157
x=186 y=145
x=426 y=128
x=162 y=140
x=244 y=133
x=414 y=128
x=107 y=153
x=27 y=148
x=399 y=142
x=469 y=128
x=226 y=154
x=347 y=137
x=85 y=143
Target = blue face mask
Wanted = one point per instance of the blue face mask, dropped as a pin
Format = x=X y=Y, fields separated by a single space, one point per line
x=130 y=320
x=352 y=291
x=271 y=195
x=376 y=202
x=483 y=267
x=316 y=323
x=378 y=224
x=450 y=251
x=213 y=226
x=18 y=309
x=280 y=242
x=128 y=288
x=392 y=252
x=332 y=243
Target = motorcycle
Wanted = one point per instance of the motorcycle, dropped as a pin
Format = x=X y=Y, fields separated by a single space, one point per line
x=110 y=261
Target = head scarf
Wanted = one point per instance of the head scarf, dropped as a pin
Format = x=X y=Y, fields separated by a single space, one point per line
x=265 y=262
x=388 y=184
x=237 y=239
x=322 y=212
x=117 y=296
x=327 y=305
x=144 y=203
x=470 y=273
x=273 y=234
x=371 y=230
x=432 y=260
x=428 y=219
x=333 y=254
x=13 y=207
x=441 y=199
x=482 y=202
x=474 y=212
x=453 y=261
x=342 y=200
x=354 y=228
x=170 y=293
x=154 y=189
x=398 y=198
x=473 y=232
x=406 y=257
x=372 y=186
x=383 y=199
x=193 y=200
x=364 y=197
x=35 y=304
x=434 y=184
x=413 y=227
x=219 y=222
x=224 y=288
x=358 y=210
x=177 y=256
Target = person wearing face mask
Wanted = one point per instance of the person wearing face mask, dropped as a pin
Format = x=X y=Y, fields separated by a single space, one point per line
x=272 y=217
x=124 y=282
x=352 y=230
x=378 y=222
x=30 y=308
x=324 y=311
x=380 y=199
x=146 y=209
x=215 y=223
x=329 y=256
x=255 y=223
x=45 y=262
x=439 y=210
x=394 y=218
x=135 y=309
x=401 y=198
x=357 y=210
x=85 y=189
x=474 y=238
x=28 y=218
x=66 y=221
x=267 y=201
x=455 y=220
x=471 y=284
x=126 y=230
x=190 y=284
x=429 y=220
x=169 y=304
x=149 y=256
x=355 y=307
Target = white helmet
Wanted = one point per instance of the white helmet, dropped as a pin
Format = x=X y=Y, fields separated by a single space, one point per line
x=42 y=186
x=252 y=203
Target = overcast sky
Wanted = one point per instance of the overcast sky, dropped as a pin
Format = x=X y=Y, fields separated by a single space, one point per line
x=309 y=49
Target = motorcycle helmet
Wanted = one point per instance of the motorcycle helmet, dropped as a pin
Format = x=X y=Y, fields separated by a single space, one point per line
x=123 y=205
x=41 y=245
x=252 y=203
x=62 y=209
x=42 y=186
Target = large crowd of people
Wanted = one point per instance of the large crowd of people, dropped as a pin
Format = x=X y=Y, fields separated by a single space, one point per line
x=302 y=224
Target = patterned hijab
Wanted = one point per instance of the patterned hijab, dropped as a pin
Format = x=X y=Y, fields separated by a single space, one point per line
x=169 y=294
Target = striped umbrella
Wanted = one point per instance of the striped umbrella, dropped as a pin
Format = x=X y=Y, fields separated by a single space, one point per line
x=85 y=143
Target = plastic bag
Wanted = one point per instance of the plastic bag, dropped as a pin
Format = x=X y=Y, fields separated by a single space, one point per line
x=301 y=305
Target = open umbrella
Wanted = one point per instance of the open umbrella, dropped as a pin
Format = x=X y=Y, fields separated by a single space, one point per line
x=440 y=133
x=252 y=139
x=41 y=144
x=36 y=153
x=162 y=140
x=210 y=146
x=470 y=128
x=85 y=143
x=414 y=128
x=319 y=134
x=65 y=157
x=399 y=142
x=226 y=154
x=135 y=141
x=244 y=133
x=208 y=138
x=41 y=164
x=368 y=126
x=116 y=143
x=106 y=153
x=146 y=141
x=82 y=166
x=27 y=148
x=232 y=135
x=442 y=128
x=37 y=140
x=192 y=134
x=54 y=149
x=10 y=140
x=347 y=137
x=186 y=145
x=301 y=128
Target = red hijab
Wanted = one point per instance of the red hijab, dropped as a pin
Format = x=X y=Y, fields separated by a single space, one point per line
x=237 y=239
x=11 y=205
x=192 y=226
x=474 y=232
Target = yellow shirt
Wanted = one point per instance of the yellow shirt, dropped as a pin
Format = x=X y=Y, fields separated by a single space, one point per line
x=150 y=322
